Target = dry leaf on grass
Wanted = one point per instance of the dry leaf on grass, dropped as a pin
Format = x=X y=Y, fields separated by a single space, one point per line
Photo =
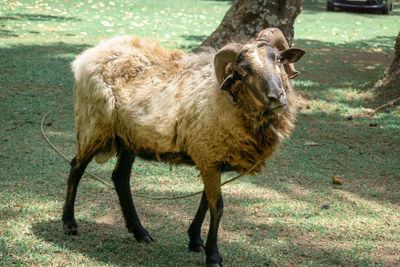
x=310 y=144
x=337 y=180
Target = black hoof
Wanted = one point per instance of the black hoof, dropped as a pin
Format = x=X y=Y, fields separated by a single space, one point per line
x=196 y=248
x=141 y=235
x=70 y=228
x=196 y=244
x=214 y=259
x=146 y=239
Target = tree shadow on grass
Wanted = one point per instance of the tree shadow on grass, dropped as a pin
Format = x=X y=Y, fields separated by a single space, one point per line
x=312 y=6
x=194 y=40
x=366 y=12
x=103 y=243
x=7 y=33
x=38 y=65
x=37 y=17
x=330 y=69
x=33 y=79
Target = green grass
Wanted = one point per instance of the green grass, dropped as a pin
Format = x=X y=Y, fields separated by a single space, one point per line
x=271 y=219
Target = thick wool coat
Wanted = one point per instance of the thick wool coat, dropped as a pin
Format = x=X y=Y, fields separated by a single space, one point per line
x=167 y=104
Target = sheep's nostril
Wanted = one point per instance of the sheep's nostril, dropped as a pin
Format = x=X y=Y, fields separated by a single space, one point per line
x=272 y=98
x=273 y=102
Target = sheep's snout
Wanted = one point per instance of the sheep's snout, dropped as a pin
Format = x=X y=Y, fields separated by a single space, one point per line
x=275 y=102
x=276 y=96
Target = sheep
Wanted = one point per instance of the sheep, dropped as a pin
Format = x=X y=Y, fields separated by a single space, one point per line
x=218 y=110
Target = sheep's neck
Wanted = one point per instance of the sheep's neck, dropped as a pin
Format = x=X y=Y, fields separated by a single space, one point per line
x=262 y=126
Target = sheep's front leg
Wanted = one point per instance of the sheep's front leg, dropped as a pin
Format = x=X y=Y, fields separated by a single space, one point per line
x=195 y=241
x=212 y=187
x=121 y=177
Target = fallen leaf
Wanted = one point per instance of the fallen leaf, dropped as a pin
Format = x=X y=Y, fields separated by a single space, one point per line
x=310 y=144
x=337 y=180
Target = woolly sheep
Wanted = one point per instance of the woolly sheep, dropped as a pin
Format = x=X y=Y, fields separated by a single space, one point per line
x=219 y=110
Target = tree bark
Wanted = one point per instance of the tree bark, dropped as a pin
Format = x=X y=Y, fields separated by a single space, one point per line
x=394 y=69
x=246 y=18
x=391 y=81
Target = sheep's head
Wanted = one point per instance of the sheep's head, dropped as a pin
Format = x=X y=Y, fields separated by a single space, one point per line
x=260 y=66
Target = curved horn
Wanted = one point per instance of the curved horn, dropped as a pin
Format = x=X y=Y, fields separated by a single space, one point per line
x=225 y=55
x=275 y=37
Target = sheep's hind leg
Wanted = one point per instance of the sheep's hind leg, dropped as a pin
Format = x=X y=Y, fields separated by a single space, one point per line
x=75 y=175
x=195 y=242
x=121 y=178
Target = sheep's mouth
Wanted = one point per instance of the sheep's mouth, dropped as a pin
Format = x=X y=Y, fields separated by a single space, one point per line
x=277 y=106
x=275 y=111
x=279 y=110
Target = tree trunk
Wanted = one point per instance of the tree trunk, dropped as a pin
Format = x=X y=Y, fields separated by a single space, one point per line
x=246 y=18
x=391 y=82
x=394 y=69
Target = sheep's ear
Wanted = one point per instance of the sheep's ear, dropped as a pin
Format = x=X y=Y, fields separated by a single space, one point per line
x=227 y=83
x=291 y=55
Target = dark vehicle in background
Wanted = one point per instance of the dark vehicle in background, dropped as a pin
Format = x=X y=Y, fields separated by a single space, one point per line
x=384 y=6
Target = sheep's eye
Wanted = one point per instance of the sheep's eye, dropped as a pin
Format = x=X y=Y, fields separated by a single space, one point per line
x=278 y=59
x=242 y=72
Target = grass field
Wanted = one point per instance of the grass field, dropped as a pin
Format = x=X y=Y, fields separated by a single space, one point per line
x=289 y=215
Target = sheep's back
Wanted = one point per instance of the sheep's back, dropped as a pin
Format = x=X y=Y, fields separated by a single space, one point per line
x=128 y=87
